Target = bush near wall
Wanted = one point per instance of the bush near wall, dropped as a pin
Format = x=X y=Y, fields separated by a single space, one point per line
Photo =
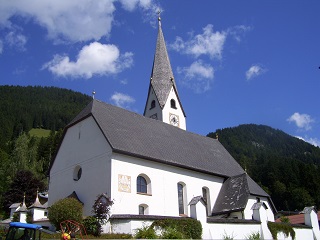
x=285 y=228
x=190 y=228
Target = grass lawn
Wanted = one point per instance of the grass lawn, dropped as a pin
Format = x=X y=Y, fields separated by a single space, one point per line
x=39 y=132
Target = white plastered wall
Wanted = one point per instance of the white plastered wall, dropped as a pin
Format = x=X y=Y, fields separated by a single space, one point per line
x=163 y=199
x=251 y=201
x=38 y=213
x=167 y=110
x=83 y=145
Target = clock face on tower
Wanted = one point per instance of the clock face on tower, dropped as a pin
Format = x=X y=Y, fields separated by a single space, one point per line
x=174 y=120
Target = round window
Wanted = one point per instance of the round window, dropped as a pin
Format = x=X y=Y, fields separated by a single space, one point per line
x=77 y=173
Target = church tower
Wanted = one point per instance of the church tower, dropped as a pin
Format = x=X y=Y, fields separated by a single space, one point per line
x=163 y=102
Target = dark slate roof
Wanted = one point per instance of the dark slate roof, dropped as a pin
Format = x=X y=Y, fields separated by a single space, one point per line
x=258 y=205
x=233 y=195
x=135 y=135
x=162 y=78
x=235 y=192
x=195 y=200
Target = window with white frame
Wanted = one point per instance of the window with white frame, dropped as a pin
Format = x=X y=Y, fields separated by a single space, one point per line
x=143 y=209
x=143 y=184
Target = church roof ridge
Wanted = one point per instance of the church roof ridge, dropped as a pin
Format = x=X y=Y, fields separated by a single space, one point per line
x=143 y=137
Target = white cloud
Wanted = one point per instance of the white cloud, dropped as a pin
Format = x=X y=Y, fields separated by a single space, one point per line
x=197 y=76
x=313 y=141
x=303 y=121
x=131 y=5
x=208 y=43
x=238 y=31
x=254 y=71
x=122 y=100
x=93 y=59
x=1 y=46
x=16 y=40
x=71 y=20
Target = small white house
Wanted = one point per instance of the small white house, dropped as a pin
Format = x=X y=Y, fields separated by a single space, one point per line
x=38 y=211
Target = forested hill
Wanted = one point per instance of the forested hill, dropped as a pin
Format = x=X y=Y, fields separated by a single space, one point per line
x=24 y=108
x=24 y=155
x=285 y=166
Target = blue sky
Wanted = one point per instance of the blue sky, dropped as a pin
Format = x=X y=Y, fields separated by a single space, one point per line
x=234 y=62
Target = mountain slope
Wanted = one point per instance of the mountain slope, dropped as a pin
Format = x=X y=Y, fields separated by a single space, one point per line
x=23 y=108
x=285 y=166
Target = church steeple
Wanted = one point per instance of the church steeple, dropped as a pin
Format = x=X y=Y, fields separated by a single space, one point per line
x=163 y=101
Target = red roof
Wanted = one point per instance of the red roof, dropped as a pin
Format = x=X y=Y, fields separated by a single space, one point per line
x=297 y=219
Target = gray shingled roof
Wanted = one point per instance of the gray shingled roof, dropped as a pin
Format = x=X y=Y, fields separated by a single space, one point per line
x=162 y=78
x=37 y=203
x=235 y=192
x=133 y=134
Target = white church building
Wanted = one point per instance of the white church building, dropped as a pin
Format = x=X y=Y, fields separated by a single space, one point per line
x=152 y=168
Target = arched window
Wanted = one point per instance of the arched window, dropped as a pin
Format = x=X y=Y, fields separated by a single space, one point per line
x=153 y=104
x=143 y=209
x=141 y=185
x=181 y=198
x=173 y=103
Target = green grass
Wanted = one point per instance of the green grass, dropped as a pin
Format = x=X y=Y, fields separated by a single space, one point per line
x=39 y=132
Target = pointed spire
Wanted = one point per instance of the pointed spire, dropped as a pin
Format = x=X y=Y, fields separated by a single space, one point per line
x=23 y=207
x=161 y=78
x=24 y=200
x=37 y=203
x=159 y=18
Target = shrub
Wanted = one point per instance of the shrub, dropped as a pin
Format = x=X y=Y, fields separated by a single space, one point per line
x=284 y=219
x=146 y=232
x=171 y=233
x=254 y=236
x=16 y=217
x=65 y=209
x=101 y=208
x=92 y=226
x=29 y=218
x=227 y=237
x=190 y=228
x=285 y=228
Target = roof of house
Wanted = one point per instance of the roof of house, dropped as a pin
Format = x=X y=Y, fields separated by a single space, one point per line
x=195 y=200
x=135 y=135
x=298 y=218
x=15 y=205
x=37 y=203
x=235 y=193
